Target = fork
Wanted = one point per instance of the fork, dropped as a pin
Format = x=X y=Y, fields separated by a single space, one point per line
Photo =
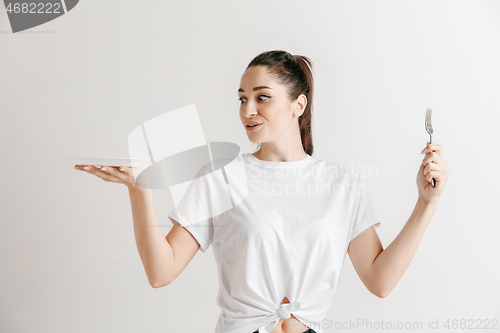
x=428 y=128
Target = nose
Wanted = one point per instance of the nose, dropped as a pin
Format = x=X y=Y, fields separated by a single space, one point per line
x=248 y=110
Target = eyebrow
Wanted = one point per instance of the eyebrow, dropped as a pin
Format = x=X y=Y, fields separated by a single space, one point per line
x=256 y=88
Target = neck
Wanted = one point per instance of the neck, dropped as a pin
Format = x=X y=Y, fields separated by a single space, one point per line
x=273 y=154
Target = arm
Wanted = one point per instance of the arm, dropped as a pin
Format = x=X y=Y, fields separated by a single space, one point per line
x=390 y=265
x=163 y=258
x=379 y=269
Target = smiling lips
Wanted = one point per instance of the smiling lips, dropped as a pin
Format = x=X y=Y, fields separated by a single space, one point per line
x=253 y=127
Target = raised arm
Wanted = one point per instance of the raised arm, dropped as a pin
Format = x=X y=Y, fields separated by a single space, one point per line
x=163 y=258
x=380 y=270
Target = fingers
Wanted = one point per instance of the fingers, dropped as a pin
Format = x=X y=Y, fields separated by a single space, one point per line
x=439 y=171
x=433 y=157
x=126 y=170
x=433 y=147
x=432 y=167
x=432 y=162
x=114 y=172
x=106 y=173
x=438 y=175
x=123 y=175
x=126 y=173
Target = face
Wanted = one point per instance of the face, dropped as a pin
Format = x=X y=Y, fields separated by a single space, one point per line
x=265 y=101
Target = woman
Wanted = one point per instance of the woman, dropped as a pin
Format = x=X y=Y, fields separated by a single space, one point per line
x=280 y=253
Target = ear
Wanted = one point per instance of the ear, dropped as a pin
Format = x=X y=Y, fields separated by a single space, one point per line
x=300 y=105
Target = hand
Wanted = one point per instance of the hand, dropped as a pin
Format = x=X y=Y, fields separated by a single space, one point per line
x=122 y=175
x=433 y=166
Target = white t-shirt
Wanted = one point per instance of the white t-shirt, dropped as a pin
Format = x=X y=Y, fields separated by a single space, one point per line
x=278 y=229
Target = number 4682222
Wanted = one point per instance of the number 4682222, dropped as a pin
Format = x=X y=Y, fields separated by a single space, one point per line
x=31 y=8
x=471 y=324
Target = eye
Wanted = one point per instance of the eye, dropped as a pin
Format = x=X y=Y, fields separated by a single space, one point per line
x=242 y=98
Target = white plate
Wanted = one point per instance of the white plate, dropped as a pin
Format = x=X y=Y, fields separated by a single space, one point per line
x=101 y=160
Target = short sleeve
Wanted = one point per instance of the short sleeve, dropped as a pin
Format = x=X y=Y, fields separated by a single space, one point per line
x=364 y=215
x=192 y=212
x=202 y=203
x=202 y=231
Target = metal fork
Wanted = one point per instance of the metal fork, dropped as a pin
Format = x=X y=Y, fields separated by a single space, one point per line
x=428 y=128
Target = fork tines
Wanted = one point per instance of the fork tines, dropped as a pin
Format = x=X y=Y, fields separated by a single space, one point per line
x=428 y=115
x=428 y=124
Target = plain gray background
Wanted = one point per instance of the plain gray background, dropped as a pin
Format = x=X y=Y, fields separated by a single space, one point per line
x=79 y=84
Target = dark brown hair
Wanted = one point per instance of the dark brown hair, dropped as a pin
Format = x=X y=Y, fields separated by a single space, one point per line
x=295 y=72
